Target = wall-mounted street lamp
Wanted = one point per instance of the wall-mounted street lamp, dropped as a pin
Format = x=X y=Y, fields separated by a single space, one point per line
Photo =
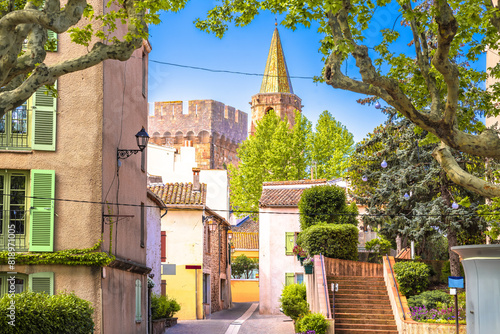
x=142 y=138
x=229 y=235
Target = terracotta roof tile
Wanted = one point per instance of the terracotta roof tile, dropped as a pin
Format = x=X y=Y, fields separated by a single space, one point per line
x=180 y=193
x=285 y=193
x=245 y=240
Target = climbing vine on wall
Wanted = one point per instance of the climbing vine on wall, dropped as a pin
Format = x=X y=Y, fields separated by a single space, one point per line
x=70 y=257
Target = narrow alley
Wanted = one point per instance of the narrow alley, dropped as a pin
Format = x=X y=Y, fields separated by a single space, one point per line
x=242 y=318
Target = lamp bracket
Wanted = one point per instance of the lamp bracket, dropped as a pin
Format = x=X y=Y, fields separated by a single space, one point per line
x=124 y=154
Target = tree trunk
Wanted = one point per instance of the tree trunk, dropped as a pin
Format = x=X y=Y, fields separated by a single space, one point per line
x=454 y=259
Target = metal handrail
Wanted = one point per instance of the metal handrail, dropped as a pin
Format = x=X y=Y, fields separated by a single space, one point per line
x=396 y=286
x=328 y=310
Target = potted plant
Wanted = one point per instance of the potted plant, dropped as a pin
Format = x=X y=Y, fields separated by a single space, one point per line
x=300 y=252
x=308 y=265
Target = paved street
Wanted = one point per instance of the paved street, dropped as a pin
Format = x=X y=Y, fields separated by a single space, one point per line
x=243 y=318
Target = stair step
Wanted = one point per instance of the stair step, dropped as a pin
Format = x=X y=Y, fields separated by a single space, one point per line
x=374 y=316
x=357 y=295
x=357 y=310
x=366 y=326
x=364 y=331
x=355 y=278
x=366 y=321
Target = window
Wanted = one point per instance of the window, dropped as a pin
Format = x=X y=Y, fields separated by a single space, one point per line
x=138 y=304
x=31 y=125
x=37 y=282
x=26 y=202
x=299 y=278
x=206 y=289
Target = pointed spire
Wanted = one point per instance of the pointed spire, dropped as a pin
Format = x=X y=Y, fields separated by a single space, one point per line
x=276 y=78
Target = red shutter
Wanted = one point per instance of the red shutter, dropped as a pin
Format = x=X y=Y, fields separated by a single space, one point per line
x=163 y=246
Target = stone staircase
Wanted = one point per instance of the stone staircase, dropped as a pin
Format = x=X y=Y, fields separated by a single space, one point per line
x=362 y=306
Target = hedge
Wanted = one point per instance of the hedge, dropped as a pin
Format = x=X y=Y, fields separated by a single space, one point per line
x=36 y=313
x=312 y=322
x=413 y=277
x=325 y=204
x=338 y=241
x=163 y=307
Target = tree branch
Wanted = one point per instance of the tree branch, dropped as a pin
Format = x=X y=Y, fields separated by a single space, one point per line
x=444 y=157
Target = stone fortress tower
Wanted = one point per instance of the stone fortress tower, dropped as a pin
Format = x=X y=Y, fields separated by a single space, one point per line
x=276 y=92
x=214 y=129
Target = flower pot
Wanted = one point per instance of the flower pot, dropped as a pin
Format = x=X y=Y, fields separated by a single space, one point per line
x=308 y=269
x=301 y=259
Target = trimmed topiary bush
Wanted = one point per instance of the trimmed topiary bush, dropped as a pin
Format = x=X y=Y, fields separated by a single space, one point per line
x=429 y=299
x=325 y=204
x=294 y=301
x=338 y=241
x=312 y=322
x=413 y=277
x=40 y=313
x=163 y=307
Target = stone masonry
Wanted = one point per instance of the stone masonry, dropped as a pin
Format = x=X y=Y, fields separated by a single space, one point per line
x=214 y=129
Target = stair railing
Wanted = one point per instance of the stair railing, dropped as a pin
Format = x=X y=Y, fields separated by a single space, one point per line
x=325 y=283
x=396 y=286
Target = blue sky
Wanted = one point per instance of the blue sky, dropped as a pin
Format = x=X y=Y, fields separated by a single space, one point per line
x=176 y=40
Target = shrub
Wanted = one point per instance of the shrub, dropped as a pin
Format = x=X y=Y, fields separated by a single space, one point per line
x=413 y=277
x=379 y=247
x=163 y=307
x=40 y=313
x=293 y=301
x=333 y=240
x=430 y=299
x=325 y=204
x=312 y=322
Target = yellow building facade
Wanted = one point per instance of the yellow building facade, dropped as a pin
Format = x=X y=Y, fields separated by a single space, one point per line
x=245 y=290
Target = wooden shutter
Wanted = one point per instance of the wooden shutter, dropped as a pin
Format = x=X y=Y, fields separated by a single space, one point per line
x=163 y=246
x=138 y=304
x=42 y=211
x=289 y=278
x=289 y=242
x=44 y=121
x=42 y=282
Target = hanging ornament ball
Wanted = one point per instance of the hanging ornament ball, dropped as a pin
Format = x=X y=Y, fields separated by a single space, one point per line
x=364 y=178
x=406 y=196
x=377 y=105
x=384 y=164
x=454 y=205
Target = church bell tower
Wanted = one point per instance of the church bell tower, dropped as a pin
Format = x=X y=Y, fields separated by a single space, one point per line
x=276 y=92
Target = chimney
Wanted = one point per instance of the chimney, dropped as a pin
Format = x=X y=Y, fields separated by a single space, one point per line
x=196 y=179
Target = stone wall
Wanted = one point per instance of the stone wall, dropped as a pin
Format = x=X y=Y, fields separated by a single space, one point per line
x=218 y=268
x=214 y=129
x=284 y=104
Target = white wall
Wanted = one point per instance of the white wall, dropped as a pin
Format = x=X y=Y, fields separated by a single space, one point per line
x=173 y=168
x=273 y=261
x=153 y=243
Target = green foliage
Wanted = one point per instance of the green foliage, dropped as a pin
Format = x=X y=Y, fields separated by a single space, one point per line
x=273 y=153
x=331 y=146
x=412 y=277
x=430 y=299
x=312 y=322
x=40 y=313
x=70 y=257
x=380 y=246
x=243 y=266
x=294 y=301
x=338 y=241
x=163 y=307
x=325 y=204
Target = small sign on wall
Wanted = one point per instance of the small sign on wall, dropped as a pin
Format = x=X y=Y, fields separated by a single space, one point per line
x=168 y=269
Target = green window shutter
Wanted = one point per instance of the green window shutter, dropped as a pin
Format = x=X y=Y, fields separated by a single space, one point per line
x=42 y=282
x=138 y=309
x=289 y=242
x=42 y=210
x=289 y=278
x=43 y=121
